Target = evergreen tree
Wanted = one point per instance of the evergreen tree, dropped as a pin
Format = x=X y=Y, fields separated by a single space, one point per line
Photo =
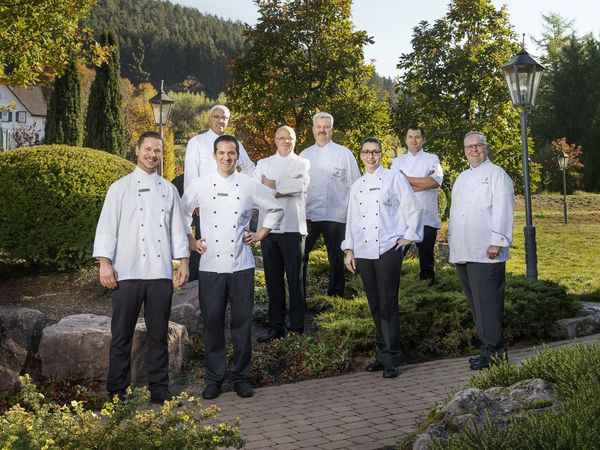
x=64 y=124
x=104 y=125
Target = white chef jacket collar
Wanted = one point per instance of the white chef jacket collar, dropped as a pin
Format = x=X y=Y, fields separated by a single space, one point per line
x=487 y=161
x=291 y=155
x=142 y=174
x=325 y=146
x=419 y=153
x=377 y=172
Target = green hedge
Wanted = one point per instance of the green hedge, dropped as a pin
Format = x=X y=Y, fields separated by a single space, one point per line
x=52 y=197
x=435 y=320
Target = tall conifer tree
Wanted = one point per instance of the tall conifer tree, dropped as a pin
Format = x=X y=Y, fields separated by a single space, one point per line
x=64 y=123
x=104 y=125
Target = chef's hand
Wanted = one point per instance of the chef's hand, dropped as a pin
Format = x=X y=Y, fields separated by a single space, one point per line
x=183 y=274
x=108 y=274
x=201 y=246
x=350 y=261
x=401 y=243
x=493 y=251
x=252 y=237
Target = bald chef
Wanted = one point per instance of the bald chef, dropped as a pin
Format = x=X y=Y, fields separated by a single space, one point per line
x=226 y=273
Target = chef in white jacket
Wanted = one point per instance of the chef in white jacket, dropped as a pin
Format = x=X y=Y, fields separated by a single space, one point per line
x=479 y=235
x=199 y=161
x=226 y=274
x=286 y=174
x=140 y=231
x=383 y=217
x=333 y=169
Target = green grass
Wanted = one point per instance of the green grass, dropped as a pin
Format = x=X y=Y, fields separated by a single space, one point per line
x=567 y=254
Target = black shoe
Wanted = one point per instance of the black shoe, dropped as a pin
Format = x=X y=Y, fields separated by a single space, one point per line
x=120 y=394
x=160 y=397
x=376 y=366
x=391 y=372
x=473 y=359
x=211 y=391
x=243 y=390
x=483 y=362
x=269 y=335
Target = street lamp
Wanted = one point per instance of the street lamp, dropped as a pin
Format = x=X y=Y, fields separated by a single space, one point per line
x=161 y=108
x=523 y=74
x=563 y=161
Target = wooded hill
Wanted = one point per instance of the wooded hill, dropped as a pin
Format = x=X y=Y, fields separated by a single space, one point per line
x=160 y=40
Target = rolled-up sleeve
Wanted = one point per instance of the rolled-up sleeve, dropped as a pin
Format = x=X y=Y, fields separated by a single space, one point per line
x=105 y=241
x=179 y=230
x=409 y=208
x=265 y=201
x=502 y=210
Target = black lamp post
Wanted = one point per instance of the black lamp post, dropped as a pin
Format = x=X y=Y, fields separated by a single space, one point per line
x=563 y=162
x=161 y=108
x=523 y=74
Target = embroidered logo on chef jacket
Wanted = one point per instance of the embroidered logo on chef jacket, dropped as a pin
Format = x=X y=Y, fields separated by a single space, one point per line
x=339 y=173
x=485 y=181
x=246 y=214
x=387 y=202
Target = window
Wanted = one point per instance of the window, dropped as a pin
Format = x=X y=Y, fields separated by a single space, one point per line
x=6 y=116
x=21 y=116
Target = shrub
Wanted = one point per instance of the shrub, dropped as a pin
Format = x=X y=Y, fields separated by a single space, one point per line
x=575 y=370
x=120 y=425
x=435 y=320
x=52 y=197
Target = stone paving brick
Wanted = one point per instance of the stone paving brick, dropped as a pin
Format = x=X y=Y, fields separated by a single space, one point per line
x=336 y=444
x=313 y=442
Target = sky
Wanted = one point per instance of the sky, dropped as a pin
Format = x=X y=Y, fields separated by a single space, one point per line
x=391 y=22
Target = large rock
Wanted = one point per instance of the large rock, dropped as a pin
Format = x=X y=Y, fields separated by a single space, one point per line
x=587 y=322
x=80 y=345
x=185 y=309
x=20 y=332
x=473 y=408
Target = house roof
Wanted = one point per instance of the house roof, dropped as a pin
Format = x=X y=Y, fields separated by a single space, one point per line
x=32 y=99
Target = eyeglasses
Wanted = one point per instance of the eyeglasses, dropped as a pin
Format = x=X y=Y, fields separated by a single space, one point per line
x=370 y=152
x=478 y=146
x=225 y=118
x=285 y=139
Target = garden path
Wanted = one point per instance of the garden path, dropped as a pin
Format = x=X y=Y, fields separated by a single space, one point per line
x=355 y=411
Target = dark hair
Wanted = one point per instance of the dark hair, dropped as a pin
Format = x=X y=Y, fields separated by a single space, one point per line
x=415 y=127
x=149 y=134
x=372 y=139
x=227 y=138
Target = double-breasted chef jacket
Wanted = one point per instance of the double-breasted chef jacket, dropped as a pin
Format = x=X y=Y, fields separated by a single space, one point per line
x=226 y=205
x=382 y=209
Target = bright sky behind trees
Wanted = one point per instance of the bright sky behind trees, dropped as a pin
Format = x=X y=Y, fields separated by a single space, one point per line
x=391 y=22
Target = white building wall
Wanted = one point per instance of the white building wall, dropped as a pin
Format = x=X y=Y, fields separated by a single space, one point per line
x=6 y=141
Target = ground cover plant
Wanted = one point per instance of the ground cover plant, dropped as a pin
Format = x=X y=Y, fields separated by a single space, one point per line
x=36 y=422
x=574 y=370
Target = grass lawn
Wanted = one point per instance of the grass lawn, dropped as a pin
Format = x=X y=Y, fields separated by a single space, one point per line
x=567 y=254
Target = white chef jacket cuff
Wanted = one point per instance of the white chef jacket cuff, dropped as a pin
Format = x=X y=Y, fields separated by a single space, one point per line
x=289 y=187
x=437 y=179
x=499 y=239
x=188 y=229
x=272 y=222
x=347 y=245
x=180 y=247
x=104 y=247
x=412 y=236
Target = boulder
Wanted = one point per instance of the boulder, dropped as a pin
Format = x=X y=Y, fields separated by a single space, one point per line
x=581 y=326
x=473 y=408
x=80 y=344
x=185 y=309
x=20 y=332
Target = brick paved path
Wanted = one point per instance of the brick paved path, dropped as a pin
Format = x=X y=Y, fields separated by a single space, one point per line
x=355 y=411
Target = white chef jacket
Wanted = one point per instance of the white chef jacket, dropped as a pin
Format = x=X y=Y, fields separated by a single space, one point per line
x=423 y=165
x=382 y=209
x=481 y=214
x=284 y=170
x=141 y=227
x=199 y=159
x=225 y=211
x=333 y=169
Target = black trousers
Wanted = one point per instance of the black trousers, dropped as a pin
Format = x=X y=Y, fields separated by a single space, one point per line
x=215 y=290
x=381 y=280
x=283 y=257
x=333 y=234
x=483 y=284
x=127 y=300
x=426 y=250
x=195 y=256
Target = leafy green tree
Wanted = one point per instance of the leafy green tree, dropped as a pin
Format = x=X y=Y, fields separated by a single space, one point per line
x=36 y=36
x=104 y=126
x=451 y=83
x=64 y=123
x=304 y=57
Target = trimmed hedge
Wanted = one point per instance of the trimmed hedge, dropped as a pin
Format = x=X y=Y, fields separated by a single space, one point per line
x=52 y=197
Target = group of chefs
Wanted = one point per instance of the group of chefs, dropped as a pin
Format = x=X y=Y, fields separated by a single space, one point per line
x=367 y=223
